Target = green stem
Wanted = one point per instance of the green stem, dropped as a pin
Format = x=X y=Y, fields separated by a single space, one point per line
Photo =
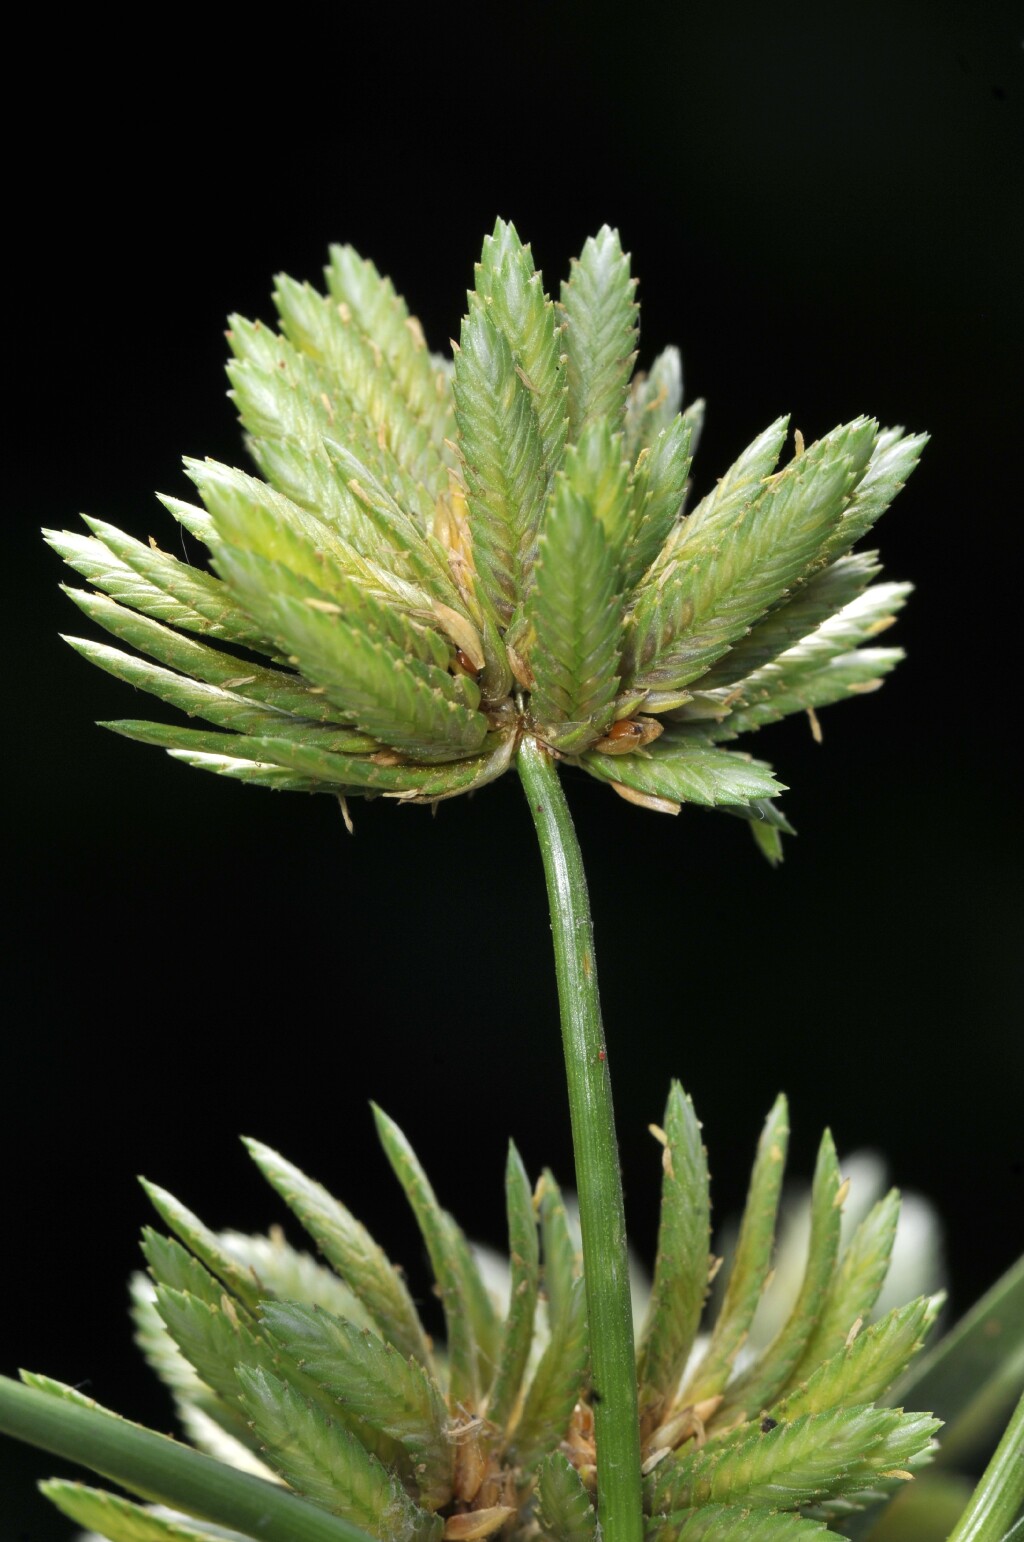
x=598 y=1179
x=997 y=1500
x=160 y=1469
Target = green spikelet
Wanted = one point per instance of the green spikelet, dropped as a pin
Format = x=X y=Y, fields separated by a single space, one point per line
x=117 y=1519
x=349 y=1248
x=514 y=294
x=600 y=320
x=680 y=1284
x=446 y=1258
x=758 y=1387
x=503 y=457
x=750 y=1262
x=524 y=1284
x=575 y=657
x=326 y=1381
x=325 y=1464
x=563 y=1504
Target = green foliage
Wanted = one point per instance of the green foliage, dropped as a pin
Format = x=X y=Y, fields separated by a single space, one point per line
x=326 y=1380
x=445 y=565
x=443 y=556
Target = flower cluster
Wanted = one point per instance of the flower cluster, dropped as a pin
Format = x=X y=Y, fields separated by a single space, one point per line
x=442 y=555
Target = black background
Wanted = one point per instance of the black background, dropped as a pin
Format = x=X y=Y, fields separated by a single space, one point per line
x=823 y=206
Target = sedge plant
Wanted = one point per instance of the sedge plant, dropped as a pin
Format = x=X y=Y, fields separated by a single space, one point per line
x=446 y=569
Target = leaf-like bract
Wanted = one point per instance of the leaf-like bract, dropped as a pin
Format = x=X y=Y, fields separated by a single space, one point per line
x=119 y=1519
x=968 y=1365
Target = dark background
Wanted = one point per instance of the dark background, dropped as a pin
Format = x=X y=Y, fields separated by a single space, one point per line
x=824 y=209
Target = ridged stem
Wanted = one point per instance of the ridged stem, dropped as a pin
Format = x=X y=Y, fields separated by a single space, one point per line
x=160 y=1469
x=598 y=1177
x=996 y=1502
